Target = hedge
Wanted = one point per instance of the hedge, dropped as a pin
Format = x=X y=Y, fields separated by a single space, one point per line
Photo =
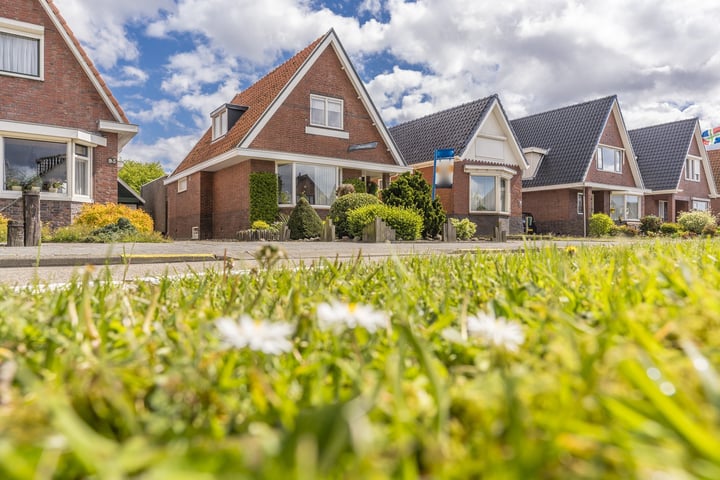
x=407 y=223
x=341 y=207
x=263 y=197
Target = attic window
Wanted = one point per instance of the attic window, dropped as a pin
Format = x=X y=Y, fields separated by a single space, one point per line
x=21 y=49
x=692 y=169
x=326 y=112
x=219 y=124
x=609 y=159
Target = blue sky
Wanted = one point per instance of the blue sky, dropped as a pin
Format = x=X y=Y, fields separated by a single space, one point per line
x=171 y=62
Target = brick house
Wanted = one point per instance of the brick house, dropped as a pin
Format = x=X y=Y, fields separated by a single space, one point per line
x=59 y=123
x=486 y=170
x=713 y=153
x=310 y=121
x=675 y=168
x=581 y=162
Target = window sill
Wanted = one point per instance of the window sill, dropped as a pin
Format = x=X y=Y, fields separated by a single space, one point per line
x=319 y=207
x=488 y=212
x=608 y=171
x=20 y=75
x=327 y=132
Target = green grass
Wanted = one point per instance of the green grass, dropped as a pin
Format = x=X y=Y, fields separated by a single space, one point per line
x=616 y=378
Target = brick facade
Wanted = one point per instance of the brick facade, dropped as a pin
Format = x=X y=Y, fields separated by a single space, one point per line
x=611 y=137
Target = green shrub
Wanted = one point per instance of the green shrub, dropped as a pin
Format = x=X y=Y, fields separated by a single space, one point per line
x=304 y=222
x=464 y=228
x=96 y=215
x=600 y=225
x=696 y=221
x=263 y=196
x=669 y=228
x=650 y=224
x=342 y=205
x=406 y=223
x=710 y=230
x=358 y=184
x=411 y=191
x=622 y=231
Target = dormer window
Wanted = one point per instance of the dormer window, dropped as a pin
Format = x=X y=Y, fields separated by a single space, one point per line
x=326 y=112
x=21 y=49
x=219 y=124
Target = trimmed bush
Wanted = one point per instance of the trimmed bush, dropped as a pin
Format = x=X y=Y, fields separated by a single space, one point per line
x=304 y=222
x=263 y=196
x=97 y=215
x=696 y=221
x=406 y=223
x=650 y=224
x=341 y=206
x=411 y=191
x=669 y=228
x=358 y=184
x=464 y=228
x=600 y=225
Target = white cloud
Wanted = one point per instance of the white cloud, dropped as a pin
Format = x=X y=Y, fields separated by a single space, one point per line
x=130 y=77
x=160 y=111
x=168 y=151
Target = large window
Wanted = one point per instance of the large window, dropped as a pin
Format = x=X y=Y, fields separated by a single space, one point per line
x=609 y=159
x=317 y=183
x=489 y=194
x=35 y=163
x=692 y=169
x=701 y=205
x=326 y=112
x=21 y=47
x=624 y=207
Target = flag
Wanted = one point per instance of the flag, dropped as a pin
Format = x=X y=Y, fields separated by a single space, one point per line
x=711 y=136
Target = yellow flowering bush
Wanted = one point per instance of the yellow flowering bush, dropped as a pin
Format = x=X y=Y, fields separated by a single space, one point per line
x=3 y=228
x=96 y=215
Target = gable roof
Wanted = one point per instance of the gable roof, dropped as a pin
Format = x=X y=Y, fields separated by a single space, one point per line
x=569 y=134
x=264 y=96
x=661 y=152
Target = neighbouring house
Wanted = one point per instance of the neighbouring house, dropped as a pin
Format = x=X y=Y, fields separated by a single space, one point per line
x=127 y=196
x=713 y=153
x=581 y=162
x=155 y=195
x=61 y=129
x=310 y=121
x=483 y=181
x=675 y=168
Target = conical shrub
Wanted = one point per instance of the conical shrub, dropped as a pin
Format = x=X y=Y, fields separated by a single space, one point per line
x=304 y=222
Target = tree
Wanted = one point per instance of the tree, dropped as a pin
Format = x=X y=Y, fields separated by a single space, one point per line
x=410 y=190
x=136 y=174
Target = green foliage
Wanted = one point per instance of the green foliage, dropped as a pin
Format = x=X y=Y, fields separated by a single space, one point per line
x=669 y=228
x=137 y=174
x=358 y=184
x=342 y=205
x=119 y=232
x=622 y=231
x=304 y=222
x=263 y=196
x=600 y=225
x=96 y=215
x=260 y=225
x=650 y=224
x=465 y=229
x=406 y=223
x=3 y=229
x=410 y=190
x=696 y=221
x=616 y=376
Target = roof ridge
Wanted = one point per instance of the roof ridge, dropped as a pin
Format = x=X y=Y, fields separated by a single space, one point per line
x=456 y=107
x=684 y=120
x=567 y=107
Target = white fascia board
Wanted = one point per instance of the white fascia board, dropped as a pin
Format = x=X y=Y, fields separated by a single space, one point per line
x=50 y=132
x=492 y=169
x=598 y=186
x=81 y=61
x=509 y=137
x=124 y=131
x=662 y=192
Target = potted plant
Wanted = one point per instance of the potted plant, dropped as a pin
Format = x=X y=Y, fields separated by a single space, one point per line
x=33 y=184
x=54 y=185
x=13 y=184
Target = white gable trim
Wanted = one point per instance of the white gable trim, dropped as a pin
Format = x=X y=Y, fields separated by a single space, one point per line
x=582 y=185
x=330 y=39
x=509 y=137
x=704 y=159
x=83 y=64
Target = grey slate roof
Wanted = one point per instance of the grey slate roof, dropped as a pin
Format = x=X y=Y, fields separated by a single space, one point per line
x=452 y=128
x=661 y=151
x=570 y=134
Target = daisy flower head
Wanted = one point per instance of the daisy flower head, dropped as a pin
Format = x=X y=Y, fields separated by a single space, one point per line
x=272 y=338
x=496 y=332
x=338 y=316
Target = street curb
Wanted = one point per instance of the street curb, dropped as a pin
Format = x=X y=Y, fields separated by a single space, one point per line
x=129 y=259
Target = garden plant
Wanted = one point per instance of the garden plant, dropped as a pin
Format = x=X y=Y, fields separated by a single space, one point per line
x=587 y=362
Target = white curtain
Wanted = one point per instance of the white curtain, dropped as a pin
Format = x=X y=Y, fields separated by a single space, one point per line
x=325 y=185
x=19 y=54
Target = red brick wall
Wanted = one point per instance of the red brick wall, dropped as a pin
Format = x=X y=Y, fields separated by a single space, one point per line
x=690 y=189
x=694 y=149
x=286 y=129
x=611 y=137
x=184 y=208
x=555 y=211
x=651 y=205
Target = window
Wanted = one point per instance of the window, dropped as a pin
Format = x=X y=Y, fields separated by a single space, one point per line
x=220 y=124
x=701 y=205
x=34 y=162
x=21 y=49
x=487 y=193
x=609 y=159
x=692 y=169
x=581 y=204
x=317 y=183
x=624 y=207
x=662 y=210
x=326 y=112
x=82 y=170
x=182 y=185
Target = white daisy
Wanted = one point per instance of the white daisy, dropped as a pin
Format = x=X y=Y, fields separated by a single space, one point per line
x=496 y=332
x=337 y=316
x=262 y=336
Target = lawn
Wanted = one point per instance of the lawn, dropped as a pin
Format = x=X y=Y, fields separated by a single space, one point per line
x=588 y=362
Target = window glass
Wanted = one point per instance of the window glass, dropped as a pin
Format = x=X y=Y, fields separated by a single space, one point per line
x=632 y=207
x=609 y=159
x=326 y=112
x=334 y=113
x=285 y=183
x=700 y=205
x=617 y=207
x=581 y=203
x=624 y=207
x=317 y=111
x=317 y=183
x=482 y=194
x=43 y=164
x=19 y=54
x=692 y=169
x=503 y=195
x=82 y=171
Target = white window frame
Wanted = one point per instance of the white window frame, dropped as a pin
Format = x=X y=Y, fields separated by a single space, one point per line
x=581 y=203
x=78 y=158
x=499 y=201
x=326 y=101
x=293 y=193
x=697 y=201
x=692 y=169
x=220 y=124
x=625 y=196
x=182 y=185
x=663 y=209
x=618 y=159
x=29 y=31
